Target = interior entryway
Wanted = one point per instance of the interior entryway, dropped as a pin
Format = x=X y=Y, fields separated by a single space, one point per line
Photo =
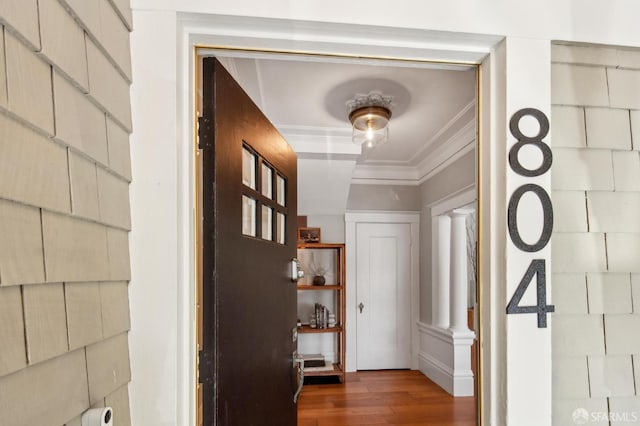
x=433 y=155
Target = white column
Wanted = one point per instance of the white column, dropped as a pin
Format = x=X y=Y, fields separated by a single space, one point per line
x=441 y=299
x=458 y=268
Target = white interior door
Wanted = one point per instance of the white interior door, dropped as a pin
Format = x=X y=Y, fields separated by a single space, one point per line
x=383 y=271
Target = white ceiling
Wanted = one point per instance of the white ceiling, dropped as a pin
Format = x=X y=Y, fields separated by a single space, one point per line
x=433 y=116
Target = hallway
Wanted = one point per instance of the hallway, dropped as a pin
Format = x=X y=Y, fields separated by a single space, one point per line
x=384 y=398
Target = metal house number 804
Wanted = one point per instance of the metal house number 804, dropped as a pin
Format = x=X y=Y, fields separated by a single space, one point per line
x=537 y=267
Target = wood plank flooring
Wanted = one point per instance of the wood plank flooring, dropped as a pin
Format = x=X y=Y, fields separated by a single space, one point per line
x=396 y=397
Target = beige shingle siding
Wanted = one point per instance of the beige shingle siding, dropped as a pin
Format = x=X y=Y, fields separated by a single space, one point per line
x=65 y=168
x=596 y=258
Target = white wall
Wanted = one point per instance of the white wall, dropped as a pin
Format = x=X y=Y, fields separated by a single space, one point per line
x=156 y=394
x=384 y=197
x=611 y=22
x=323 y=186
x=332 y=227
x=160 y=242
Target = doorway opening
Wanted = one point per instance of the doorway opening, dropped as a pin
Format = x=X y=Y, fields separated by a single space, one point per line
x=430 y=160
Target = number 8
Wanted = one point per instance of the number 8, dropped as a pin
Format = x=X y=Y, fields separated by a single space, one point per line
x=514 y=126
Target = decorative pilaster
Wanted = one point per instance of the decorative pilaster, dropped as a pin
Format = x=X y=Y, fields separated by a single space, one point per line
x=441 y=308
x=458 y=268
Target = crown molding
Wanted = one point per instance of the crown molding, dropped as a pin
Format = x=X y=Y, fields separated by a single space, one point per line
x=458 y=121
x=392 y=175
x=450 y=124
x=389 y=182
x=327 y=142
x=461 y=143
x=458 y=145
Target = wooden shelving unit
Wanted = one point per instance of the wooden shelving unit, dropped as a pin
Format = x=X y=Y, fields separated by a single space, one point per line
x=333 y=290
x=319 y=287
x=337 y=371
x=307 y=329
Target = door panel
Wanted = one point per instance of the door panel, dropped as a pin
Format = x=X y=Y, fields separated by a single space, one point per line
x=249 y=190
x=383 y=289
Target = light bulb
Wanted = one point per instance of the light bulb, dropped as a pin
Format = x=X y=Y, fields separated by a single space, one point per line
x=369 y=133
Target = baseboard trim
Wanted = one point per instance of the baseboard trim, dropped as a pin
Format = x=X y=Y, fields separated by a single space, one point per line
x=441 y=374
x=457 y=382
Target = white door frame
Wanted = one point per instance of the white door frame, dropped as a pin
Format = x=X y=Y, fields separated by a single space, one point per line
x=166 y=182
x=352 y=219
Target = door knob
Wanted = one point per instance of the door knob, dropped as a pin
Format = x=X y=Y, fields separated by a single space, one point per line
x=361 y=306
x=296 y=272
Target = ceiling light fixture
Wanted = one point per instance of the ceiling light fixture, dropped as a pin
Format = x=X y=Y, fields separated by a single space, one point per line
x=369 y=115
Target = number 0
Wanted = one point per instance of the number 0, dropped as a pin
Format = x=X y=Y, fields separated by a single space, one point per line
x=512 y=217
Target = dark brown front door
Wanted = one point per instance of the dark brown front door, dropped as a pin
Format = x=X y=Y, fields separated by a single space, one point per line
x=249 y=238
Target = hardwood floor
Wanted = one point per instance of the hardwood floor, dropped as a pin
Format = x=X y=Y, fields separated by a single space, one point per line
x=397 y=397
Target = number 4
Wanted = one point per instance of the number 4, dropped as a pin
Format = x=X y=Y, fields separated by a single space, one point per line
x=536 y=267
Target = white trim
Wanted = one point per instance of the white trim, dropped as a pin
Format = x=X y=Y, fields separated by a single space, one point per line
x=173 y=193
x=447 y=335
x=390 y=182
x=448 y=161
x=255 y=54
x=352 y=219
x=440 y=373
x=458 y=199
x=185 y=164
x=437 y=332
x=456 y=381
x=338 y=39
x=391 y=172
x=427 y=145
x=461 y=143
x=446 y=127
x=457 y=146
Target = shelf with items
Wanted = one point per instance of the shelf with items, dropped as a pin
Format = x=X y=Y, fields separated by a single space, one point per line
x=325 y=301
x=326 y=287
x=330 y=370
x=326 y=259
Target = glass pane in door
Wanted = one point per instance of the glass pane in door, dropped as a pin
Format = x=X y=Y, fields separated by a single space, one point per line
x=280 y=227
x=267 y=223
x=267 y=181
x=281 y=183
x=248 y=216
x=248 y=168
